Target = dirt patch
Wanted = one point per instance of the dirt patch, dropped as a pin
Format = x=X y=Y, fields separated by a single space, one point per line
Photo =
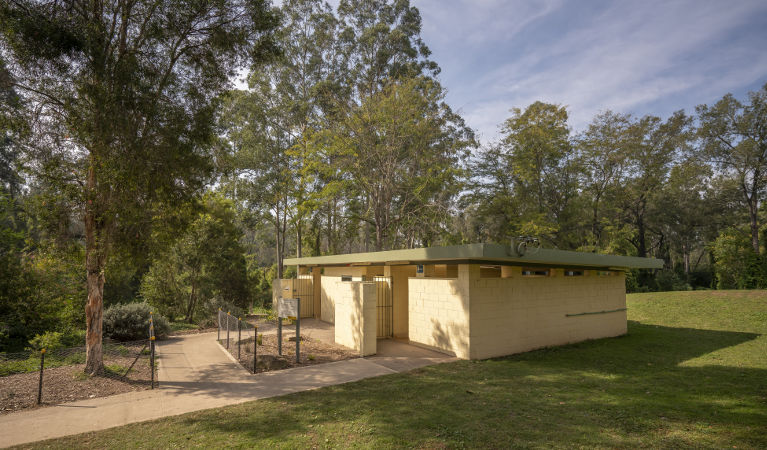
x=312 y=352
x=69 y=383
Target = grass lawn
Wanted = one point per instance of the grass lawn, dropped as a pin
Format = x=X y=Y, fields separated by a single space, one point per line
x=692 y=372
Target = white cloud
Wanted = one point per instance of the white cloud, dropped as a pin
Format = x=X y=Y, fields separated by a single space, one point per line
x=625 y=57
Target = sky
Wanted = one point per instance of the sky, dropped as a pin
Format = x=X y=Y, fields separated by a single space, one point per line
x=638 y=57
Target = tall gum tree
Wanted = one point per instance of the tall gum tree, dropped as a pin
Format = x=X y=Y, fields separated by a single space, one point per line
x=734 y=137
x=126 y=92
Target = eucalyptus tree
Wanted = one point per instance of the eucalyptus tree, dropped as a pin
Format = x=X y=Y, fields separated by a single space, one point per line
x=651 y=147
x=401 y=147
x=536 y=141
x=684 y=208
x=125 y=92
x=380 y=40
x=271 y=124
x=257 y=168
x=734 y=137
x=602 y=156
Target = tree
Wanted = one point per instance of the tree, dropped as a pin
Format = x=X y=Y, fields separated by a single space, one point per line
x=651 y=147
x=380 y=41
x=683 y=208
x=125 y=92
x=734 y=139
x=206 y=263
x=401 y=148
x=602 y=154
x=536 y=142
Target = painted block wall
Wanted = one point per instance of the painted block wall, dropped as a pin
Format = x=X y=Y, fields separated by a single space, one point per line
x=330 y=287
x=439 y=313
x=400 y=276
x=518 y=314
x=355 y=316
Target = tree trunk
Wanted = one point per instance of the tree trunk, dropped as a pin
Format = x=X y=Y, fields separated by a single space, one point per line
x=754 y=212
x=642 y=242
x=279 y=249
x=192 y=301
x=95 y=257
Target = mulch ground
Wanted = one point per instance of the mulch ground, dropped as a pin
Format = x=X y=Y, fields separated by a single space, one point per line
x=69 y=383
x=312 y=352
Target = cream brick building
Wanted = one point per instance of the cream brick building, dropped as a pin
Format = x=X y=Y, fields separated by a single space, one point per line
x=472 y=301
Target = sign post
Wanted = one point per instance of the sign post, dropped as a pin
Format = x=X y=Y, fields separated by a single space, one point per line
x=298 y=331
x=289 y=308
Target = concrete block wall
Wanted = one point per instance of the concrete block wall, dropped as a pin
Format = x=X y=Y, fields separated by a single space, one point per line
x=330 y=288
x=355 y=316
x=518 y=314
x=439 y=315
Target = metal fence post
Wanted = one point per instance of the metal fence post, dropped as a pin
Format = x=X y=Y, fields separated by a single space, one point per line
x=227 y=330
x=218 y=320
x=279 y=335
x=298 y=331
x=255 y=348
x=151 y=347
x=239 y=336
x=151 y=358
x=40 y=385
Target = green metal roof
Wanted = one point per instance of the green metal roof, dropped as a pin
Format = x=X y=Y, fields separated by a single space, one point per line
x=481 y=253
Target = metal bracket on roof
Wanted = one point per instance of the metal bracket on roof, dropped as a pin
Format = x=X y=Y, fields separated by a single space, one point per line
x=522 y=244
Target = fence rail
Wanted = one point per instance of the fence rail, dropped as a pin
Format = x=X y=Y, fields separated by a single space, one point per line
x=240 y=338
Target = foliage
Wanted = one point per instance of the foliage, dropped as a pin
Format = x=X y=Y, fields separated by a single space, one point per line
x=130 y=322
x=203 y=270
x=737 y=267
x=127 y=91
x=734 y=142
x=50 y=340
x=401 y=149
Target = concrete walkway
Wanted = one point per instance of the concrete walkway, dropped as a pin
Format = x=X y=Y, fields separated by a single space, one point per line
x=195 y=373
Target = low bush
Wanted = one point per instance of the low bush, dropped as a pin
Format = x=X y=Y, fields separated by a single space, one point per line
x=130 y=322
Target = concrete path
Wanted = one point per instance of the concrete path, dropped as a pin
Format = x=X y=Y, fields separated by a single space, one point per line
x=195 y=373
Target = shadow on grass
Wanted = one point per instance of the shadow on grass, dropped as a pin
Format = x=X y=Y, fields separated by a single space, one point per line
x=624 y=391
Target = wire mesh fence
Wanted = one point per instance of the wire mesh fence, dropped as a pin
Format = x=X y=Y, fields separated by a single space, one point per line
x=49 y=376
x=57 y=375
x=240 y=338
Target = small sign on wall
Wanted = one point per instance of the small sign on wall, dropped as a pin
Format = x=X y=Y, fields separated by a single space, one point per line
x=287 y=307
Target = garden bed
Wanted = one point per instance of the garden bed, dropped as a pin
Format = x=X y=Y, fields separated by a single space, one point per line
x=313 y=351
x=67 y=383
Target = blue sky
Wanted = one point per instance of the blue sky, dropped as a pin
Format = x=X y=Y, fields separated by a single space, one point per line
x=638 y=57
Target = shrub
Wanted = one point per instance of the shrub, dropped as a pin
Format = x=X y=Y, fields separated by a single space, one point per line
x=668 y=280
x=130 y=321
x=50 y=340
x=737 y=266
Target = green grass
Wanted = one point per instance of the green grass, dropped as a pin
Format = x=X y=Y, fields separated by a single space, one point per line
x=31 y=363
x=268 y=312
x=692 y=372
x=182 y=326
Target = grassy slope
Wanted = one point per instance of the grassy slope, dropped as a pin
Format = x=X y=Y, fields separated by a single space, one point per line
x=691 y=372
